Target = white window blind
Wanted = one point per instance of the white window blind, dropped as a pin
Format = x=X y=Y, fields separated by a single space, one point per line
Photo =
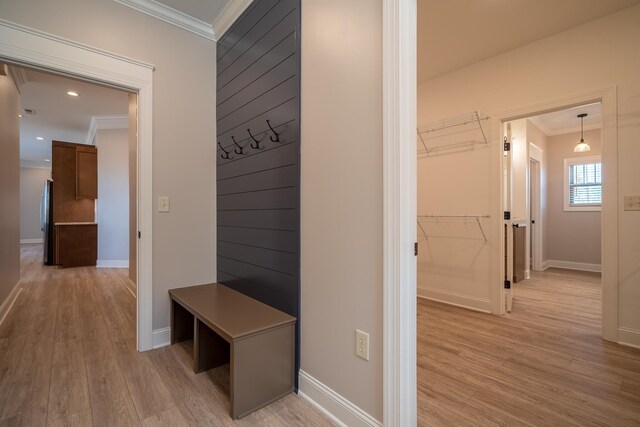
x=585 y=184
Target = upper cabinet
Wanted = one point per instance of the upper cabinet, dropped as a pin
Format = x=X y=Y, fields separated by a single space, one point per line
x=86 y=172
x=75 y=181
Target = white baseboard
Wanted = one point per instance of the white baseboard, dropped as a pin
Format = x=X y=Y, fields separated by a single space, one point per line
x=9 y=301
x=335 y=407
x=161 y=337
x=570 y=265
x=629 y=337
x=527 y=274
x=459 y=300
x=112 y=263
x=22 y=241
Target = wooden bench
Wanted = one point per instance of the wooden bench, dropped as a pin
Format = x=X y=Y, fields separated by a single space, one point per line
x=228 y=327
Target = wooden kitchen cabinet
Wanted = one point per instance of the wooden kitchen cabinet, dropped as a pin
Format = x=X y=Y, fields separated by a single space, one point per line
x=75 y=168
x=86 y=173
x=76 y=244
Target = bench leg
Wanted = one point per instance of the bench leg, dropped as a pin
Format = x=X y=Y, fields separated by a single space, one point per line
x=181 y=323
x=262 y=370
x=209 y=349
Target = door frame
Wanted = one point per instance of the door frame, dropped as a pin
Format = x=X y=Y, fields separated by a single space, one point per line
x=399 y=117
x=535 y=200
x=609 y=213
x=34 y=48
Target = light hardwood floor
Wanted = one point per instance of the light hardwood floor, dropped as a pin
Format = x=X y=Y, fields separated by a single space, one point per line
x=67 y=357
x=544 y=364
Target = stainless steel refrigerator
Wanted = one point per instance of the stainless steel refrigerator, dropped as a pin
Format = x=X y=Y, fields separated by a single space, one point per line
x=46 y=221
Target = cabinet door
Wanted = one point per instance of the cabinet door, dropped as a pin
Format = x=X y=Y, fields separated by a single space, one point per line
x=86 y=174
x=77 y=245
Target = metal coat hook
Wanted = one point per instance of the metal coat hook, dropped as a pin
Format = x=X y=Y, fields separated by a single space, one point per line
x=226 y=153
x=257 y=146
x=274 y=132
x=238 y=145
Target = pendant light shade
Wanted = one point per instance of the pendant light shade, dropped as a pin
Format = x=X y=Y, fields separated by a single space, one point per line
x=582 y=146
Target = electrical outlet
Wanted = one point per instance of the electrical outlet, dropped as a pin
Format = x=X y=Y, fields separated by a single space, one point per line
x=632 y=203
x=362 y=344
x=163 y=204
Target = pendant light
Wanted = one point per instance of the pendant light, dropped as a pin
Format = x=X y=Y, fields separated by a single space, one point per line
x=582 y=146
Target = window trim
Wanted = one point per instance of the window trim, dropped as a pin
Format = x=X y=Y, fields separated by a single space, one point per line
x=568 y=162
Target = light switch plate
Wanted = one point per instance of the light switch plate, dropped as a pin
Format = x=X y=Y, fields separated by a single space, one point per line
x=163 y=204
x=632 y=203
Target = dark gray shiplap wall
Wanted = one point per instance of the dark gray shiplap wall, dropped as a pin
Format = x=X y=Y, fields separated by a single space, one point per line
x=258 y=189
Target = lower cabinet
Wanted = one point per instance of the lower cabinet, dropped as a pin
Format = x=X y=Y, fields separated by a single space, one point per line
x=76 y=244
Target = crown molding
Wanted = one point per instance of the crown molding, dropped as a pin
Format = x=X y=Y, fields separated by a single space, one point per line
x=171 y=16
x=105 y=122
x=19 y=77
x=540 y=125
x=228 y=16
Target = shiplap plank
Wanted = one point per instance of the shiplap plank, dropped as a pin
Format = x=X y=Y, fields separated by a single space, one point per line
x=286 y=241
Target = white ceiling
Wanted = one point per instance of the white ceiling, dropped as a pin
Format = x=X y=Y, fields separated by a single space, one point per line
x=60 y=116
x=456 y=33
x=203 y=10
x=567 y=121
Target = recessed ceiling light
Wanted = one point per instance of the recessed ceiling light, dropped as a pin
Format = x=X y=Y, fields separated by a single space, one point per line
x=47 y=160
x=39 y=138
x=72 y=93
x=19 y=115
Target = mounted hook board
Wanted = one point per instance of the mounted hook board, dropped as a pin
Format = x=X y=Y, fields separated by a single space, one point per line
x=454 y=133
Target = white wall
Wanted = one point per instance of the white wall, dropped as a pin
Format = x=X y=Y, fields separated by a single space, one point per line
x=519 y=170
x=572 y=236
x=540 y=140
x=183 y=126
x=523 y=134
x=31 y=187
x=454 y=262
x=544 y=72
x=341 y=190
x=9 y=187
x=113 y=197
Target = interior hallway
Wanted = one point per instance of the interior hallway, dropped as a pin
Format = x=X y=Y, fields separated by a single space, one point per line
x=543 y=364
x=68 y=357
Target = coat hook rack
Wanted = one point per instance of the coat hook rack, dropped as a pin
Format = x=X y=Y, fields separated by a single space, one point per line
x=257 y=146
x=274 y=132
x=238 y=145
x=226 y=153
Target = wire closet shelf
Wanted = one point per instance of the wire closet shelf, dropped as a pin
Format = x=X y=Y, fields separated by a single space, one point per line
x=467 y=227
x=454 y=132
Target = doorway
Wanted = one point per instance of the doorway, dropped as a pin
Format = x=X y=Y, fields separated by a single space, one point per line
x=59 y=114
x=535 y=212
x=38 y=50
x=554 y=193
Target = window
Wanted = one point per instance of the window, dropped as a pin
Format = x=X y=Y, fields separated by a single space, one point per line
x=583 y=183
